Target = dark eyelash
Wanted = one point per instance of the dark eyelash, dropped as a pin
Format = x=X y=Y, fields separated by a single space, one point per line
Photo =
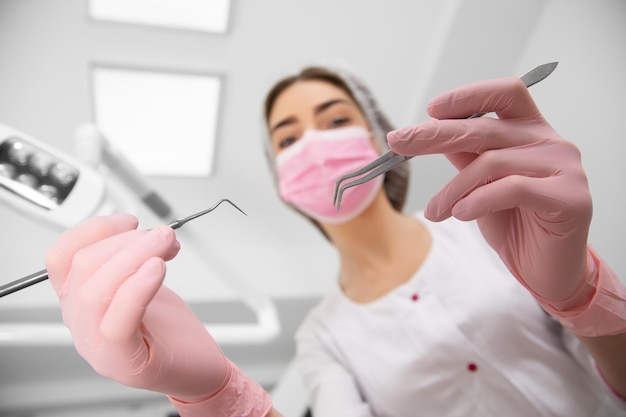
x=283 y=143
x=340 y=120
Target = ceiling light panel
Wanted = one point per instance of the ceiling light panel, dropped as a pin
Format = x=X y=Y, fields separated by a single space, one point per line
x=201 y=15
x=164 y=123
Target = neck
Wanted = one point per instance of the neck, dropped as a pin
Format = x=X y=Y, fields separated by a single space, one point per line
x=378 y=248
x=371 y=233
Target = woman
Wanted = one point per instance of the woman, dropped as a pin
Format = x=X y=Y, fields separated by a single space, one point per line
x=432 y=295
x=427 y=317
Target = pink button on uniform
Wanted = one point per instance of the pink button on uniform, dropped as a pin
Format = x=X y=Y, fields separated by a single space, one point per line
x=415 y=297
x=472 y=367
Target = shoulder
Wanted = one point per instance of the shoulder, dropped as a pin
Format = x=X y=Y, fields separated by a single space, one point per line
x=333 y=317
x=317 y=320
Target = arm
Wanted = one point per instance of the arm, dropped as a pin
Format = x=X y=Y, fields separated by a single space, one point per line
x=596 y=315
x=598 y=322
x=608 y=352
x=527 y=190
x=108 y=276
x=332 y=388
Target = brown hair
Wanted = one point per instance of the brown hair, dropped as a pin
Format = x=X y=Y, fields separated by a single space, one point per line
x=396 y=181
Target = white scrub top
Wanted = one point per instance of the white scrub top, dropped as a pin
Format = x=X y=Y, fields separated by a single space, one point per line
x=461 y=338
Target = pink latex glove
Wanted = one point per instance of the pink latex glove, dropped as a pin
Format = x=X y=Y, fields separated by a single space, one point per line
x=108 y=276
x=520 y=180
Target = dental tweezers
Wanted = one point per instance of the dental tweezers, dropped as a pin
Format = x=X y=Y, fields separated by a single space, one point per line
x=42 y=275
x=390 y=159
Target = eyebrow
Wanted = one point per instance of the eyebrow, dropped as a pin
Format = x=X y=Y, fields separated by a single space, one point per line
x=318 y=109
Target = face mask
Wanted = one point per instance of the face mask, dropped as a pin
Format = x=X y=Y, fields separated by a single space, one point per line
x=308 y=170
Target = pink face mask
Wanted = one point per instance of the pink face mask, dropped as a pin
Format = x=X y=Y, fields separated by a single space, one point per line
x=308 y=170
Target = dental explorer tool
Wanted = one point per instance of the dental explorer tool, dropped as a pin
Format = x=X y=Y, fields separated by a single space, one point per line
x=42 y=275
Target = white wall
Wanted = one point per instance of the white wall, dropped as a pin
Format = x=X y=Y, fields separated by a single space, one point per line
x=584 y=101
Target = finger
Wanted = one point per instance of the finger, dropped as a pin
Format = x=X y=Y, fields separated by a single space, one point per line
x=123 y=318
x=466 y=135
x=59 y=257
x=514 y=191
x=489 y=167
x=88 y=260
x=118 y=337
x=96 y=295
x=507 y=97
x=84 y=264
x=539 y=195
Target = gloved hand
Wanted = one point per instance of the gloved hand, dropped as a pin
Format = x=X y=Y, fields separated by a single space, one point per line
x=519 y=179
x=108 y=276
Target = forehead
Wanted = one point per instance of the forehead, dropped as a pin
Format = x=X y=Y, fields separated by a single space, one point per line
x=302 y=97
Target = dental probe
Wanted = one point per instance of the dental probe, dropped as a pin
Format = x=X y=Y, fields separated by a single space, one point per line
x=42 y=275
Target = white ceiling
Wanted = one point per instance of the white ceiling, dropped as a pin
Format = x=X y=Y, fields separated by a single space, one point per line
x=406 y=51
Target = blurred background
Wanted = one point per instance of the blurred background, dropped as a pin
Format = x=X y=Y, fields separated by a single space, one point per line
x=177 y=88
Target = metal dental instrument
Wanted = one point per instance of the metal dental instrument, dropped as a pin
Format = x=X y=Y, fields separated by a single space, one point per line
x=390 y=159
x=42 y=275
x=178 y=223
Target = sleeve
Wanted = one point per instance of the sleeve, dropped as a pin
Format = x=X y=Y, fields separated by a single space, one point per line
x=240 y=396
x=332 y=388
x=602 y=311
x=585 y=360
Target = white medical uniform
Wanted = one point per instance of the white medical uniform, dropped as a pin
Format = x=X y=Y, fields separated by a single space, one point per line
x=461 y=338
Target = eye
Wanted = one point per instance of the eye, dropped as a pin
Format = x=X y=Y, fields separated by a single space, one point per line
x=338 y=121
x=287 y=142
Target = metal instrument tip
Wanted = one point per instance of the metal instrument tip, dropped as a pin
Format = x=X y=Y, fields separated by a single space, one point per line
x=180 y=222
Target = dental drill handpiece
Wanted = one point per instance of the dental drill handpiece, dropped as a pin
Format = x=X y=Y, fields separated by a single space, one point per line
x=42 y=275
